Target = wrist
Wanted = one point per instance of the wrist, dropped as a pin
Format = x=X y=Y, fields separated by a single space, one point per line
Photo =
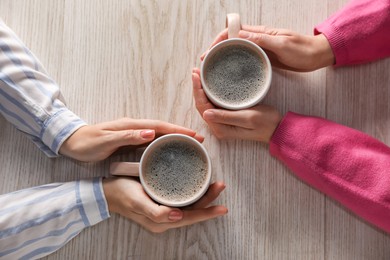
x=273 y=126
x=109 y=192
x=322 y=52
x=71 y=145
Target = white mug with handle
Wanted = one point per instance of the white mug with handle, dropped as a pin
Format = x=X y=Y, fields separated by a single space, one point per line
x=236 y=71
x=174 y=170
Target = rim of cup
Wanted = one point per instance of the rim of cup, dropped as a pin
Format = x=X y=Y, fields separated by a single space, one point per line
x=164 y=139
x=268 y=77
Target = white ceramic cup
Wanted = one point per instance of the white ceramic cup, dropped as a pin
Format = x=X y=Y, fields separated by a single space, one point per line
x=233 y=24
x=138 y=169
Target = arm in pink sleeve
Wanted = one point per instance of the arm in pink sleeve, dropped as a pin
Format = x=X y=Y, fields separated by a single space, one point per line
x=345 y=164
x=358 y=33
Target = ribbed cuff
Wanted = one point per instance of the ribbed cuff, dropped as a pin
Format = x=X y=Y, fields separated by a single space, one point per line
x=281 y=134
x=336 y=40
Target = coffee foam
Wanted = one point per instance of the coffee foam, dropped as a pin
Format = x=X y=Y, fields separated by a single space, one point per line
x=176 y=171
x=235 y=75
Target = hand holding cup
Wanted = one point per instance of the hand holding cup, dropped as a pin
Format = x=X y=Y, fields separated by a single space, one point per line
x=174 y=170
x=235 y=73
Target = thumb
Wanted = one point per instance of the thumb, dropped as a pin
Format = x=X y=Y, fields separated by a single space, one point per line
x=265 y=41
x=133 y=137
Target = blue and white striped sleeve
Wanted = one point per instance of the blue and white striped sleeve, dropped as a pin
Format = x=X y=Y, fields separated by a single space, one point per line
x=38 y=221
x=30 y=99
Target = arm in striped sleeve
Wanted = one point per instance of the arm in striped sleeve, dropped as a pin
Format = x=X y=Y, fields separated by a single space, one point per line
x=37 y=221
x=30 y=99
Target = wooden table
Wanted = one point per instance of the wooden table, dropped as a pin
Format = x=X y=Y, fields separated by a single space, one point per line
x=133 y=58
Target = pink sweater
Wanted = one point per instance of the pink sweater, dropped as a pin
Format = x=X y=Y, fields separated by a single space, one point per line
x=347 y=165
x=359 y=32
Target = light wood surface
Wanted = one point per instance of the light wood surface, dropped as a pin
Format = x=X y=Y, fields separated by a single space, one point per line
x=134 y=58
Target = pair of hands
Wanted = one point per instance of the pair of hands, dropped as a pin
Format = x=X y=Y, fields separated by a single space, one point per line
x=126 y=196
x=286 y=50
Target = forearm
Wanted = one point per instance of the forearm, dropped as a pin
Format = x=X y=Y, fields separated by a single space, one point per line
x=358 y=33
x=30 y=99
x=38 y=221
x=347 y=165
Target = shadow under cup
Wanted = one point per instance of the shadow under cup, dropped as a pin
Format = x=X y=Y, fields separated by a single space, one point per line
x=236 y=74
x=175 y=170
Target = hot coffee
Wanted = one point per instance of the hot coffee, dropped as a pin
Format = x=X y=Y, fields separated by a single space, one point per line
x=235 y=75
x=176 y=171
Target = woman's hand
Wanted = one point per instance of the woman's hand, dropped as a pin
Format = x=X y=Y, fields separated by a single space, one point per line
x=97 y=142
x=126 y=197
x=256 y=123
x=287 y=49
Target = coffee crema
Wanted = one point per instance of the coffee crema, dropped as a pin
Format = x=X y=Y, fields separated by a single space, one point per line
x=235 y=75
x=176 y=171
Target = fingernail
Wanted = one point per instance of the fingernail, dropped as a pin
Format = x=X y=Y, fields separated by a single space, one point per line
x=203 y=55
x=244 y=34
x=199 y=137
x=208 y=114
x=147 y=134
x=175 y=215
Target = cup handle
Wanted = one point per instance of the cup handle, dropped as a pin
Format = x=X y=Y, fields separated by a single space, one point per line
x=233 y=25
x=125 y=169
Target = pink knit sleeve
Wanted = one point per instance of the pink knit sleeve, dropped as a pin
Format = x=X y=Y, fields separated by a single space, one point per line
x=345 y=164
x=360 y=32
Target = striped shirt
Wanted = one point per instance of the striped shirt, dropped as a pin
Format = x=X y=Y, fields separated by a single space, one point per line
x=37 y=221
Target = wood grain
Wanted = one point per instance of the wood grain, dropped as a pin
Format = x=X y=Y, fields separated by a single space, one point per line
x=134 y=58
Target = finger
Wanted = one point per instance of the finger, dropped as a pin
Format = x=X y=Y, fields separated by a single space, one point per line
x=220 y=37
x=196 y=70
x=199 y=215
x=199 y=137
x=130 y=123
x=202 y=103
x=132 y=137
x=212 y=194
x=160 y=127
x=189 y=217
x=254 y=28
x=240 y=118
x=270 y=42
x=204 y=55
x=157 y=213
x=267 y=30
x=147 y=223
x=174 y=129
x=223 y=35
x=228 y=132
